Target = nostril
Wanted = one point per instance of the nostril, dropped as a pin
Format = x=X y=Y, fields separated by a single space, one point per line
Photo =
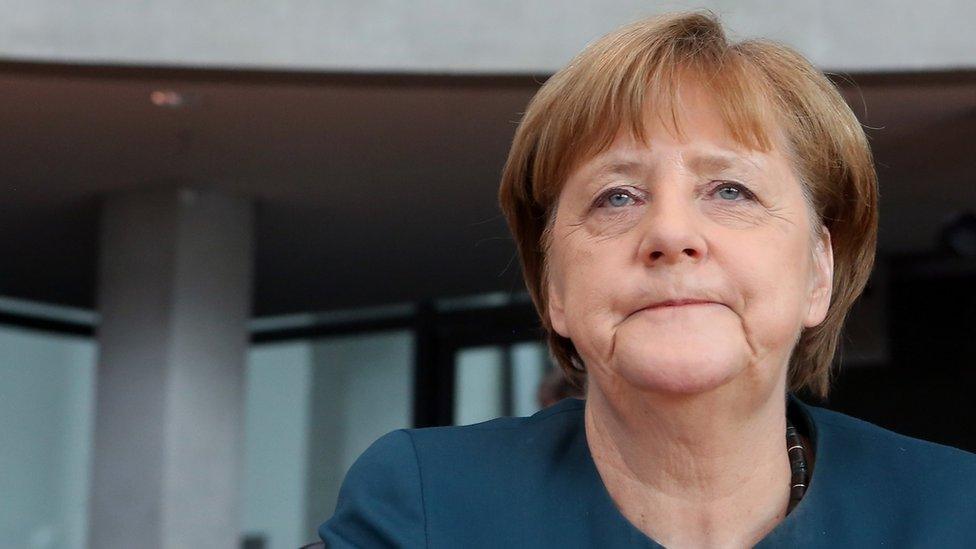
x=691 y=252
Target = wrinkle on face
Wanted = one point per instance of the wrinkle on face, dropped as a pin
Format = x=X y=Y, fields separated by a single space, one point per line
x=741 y=219
x=749 y=252
x=650 y=183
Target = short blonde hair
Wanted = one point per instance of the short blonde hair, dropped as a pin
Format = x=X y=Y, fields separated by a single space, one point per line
x=755 y=84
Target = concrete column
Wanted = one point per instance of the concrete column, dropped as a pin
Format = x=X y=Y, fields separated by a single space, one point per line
x=174 y=299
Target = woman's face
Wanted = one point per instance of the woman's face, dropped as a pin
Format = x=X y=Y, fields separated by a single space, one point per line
x=640 y=229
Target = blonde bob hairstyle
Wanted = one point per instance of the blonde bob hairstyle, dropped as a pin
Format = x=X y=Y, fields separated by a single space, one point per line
x=761 y=88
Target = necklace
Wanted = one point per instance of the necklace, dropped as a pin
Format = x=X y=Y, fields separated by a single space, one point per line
x=798 y=465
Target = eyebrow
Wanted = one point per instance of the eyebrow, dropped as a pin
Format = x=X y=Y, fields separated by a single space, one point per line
x=718 y=162
x=702 y=162
x=619 y=166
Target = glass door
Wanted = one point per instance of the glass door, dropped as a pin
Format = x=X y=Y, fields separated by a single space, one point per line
x=498 y=380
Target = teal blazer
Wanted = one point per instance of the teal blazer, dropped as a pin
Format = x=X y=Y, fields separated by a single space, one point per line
x=531 y=482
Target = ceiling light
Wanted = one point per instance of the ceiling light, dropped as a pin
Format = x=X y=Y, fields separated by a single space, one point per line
x=169 y=99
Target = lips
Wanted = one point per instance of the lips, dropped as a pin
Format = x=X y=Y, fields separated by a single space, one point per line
x=678 y=303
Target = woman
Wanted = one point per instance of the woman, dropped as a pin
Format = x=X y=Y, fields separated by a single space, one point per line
x=694 y=220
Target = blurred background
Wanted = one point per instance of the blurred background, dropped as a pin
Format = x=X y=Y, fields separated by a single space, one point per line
x=243 y=240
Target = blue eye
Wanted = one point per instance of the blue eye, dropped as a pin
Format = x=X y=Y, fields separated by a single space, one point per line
x=619 y=199
x=731 y=192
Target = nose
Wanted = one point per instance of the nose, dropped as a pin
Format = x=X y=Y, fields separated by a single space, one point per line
x=671 y=232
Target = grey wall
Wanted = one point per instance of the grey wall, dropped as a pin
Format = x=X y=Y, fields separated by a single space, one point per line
x=461 y=35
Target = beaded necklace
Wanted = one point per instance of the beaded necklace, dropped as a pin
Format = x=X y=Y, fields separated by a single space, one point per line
x=798 y=465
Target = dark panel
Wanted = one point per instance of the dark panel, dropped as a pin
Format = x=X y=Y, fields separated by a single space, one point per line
x=49 y=252
x=932 y=313
x=928 y=390
x=935 y=404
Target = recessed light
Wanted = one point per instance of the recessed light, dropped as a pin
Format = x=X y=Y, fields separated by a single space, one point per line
x=170 y=99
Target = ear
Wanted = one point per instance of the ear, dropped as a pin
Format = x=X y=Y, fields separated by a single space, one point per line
x=822 y=284
x=556 y=310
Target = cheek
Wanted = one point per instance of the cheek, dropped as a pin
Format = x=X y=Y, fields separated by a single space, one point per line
x=589 y=280
x=773 y=289
x=587 y=285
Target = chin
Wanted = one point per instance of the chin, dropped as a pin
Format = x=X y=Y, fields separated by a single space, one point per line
x=679 y=372
x=683 y=360
x=677 y=379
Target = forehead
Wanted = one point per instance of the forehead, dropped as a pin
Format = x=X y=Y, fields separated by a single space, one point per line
x=697 y=151
x=631 y=160
x=711 y=133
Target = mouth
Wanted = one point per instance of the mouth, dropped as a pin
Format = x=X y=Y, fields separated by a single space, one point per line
x=676 y=306
x=678 y=303
x=662 y=309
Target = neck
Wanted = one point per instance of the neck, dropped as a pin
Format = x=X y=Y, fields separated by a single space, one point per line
x=707 y=469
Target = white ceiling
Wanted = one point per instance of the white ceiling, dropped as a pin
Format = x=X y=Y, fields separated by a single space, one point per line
x=466 y=36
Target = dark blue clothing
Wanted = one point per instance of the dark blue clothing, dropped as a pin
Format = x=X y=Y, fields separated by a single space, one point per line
x=531 y=482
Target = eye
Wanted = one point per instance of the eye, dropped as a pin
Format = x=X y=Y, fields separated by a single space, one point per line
x=732 y=192
x=619 y=199
x=616 y=198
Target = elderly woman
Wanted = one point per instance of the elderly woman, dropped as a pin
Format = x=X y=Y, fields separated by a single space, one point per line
x=694 y=219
